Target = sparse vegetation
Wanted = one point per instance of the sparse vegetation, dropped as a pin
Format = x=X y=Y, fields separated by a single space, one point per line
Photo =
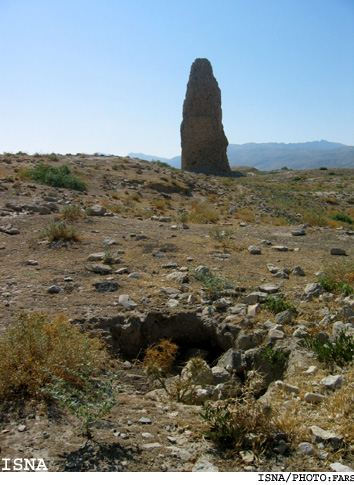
x=277 y=304
x=338 y=276
x=275 y=358
x=342 y=218
x=55 y=177
x=71 y=212
x=340 y=352
x=91 y=401
x=231 y=424
x=36 y=348
x=59 y=231
x=202 y=213
x=215 y=285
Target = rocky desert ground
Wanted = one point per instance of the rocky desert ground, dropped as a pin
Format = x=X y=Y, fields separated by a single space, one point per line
x=251 y=276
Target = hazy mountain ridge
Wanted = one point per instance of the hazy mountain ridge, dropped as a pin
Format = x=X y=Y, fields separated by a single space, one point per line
x=272 y=156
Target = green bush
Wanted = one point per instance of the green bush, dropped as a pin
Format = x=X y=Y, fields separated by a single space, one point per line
x=342 y=218
x=55 y=177
x=275 y=358
x=278 y=305
x=340 y=352
x=93 y=400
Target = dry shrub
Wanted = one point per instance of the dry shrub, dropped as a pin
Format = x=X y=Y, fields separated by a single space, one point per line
x=247 y=214
x=36 y=347
x=315 y=219
x=202 y=213
x=159 y=359
x=59 y=231
x=160 y=205
x=71 y=212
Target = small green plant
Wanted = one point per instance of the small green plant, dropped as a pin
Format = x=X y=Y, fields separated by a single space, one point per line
x=221 y=236
x=59 y=231
x=215 y=285
x=91 y=401
x=163 y=164
x=275 y=358
x=230 y=424
x=221 y=429
x=340 y=352
x=323 y=168
x=278 y=305
x=53 y=157
x=297 y=179
x=55 y=177
x=338 y=277
x=108 y=257
x=342 y=218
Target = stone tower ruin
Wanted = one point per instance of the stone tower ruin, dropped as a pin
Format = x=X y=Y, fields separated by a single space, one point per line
x=203 y=140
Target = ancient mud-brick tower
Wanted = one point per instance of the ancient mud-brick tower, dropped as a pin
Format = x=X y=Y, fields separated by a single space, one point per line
x=203 y=139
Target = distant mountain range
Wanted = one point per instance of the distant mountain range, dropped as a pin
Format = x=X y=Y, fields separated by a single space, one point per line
x=272 y=156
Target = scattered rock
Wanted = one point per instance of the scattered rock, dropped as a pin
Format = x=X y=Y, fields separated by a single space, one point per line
x=203 y=465
x=54 y=289
x=179 y=277
x=280 y=248
x=297 y=271
x=106 y=286
x=306 y=448
x=127 y=302
x=272 y=268
x=220 y=375
x=151 y=446
x=338 y=252
x=313 y=398
x=298 y=232
x=313 y=289
x=269 y=288
x=203 y=270
x=145 y=420
x=320 y=435
x=254 y=250
x=233 y=360
x=134 y=276
x=96 y=210
x=109 y=241
x=332 y=382
x=283 y=317
x=339 y=467
x=99 y=268
x=96 y=256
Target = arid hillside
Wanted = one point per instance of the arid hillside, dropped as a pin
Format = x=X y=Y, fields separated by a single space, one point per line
x=251 y=277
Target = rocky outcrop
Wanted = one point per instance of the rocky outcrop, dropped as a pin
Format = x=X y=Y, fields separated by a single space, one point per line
x=203 y=139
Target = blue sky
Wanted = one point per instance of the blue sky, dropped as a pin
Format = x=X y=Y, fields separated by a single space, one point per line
x=111 y=75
